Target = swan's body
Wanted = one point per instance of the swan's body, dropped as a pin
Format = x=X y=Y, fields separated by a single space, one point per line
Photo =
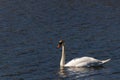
x=85 y=62
x=79 y=62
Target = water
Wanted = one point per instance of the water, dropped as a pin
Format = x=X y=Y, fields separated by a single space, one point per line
x=31 y=29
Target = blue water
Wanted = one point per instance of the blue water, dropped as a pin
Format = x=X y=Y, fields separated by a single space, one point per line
x=31 y=29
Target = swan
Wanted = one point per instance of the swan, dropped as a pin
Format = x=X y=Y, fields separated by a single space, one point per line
x=79 y=62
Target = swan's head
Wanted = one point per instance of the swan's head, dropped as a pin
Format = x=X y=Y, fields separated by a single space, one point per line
x=61 y=42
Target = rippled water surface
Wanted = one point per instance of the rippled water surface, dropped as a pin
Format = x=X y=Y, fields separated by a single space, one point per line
x=31 y=29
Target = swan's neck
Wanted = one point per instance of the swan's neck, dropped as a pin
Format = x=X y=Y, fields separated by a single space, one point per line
x=62 y=62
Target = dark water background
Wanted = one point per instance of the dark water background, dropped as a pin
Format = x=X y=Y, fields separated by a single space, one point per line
x=31 y=29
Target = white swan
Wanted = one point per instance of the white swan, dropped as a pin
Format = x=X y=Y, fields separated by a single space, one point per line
x=79 y=62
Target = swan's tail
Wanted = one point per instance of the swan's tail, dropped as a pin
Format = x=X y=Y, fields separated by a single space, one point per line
x=105 y=61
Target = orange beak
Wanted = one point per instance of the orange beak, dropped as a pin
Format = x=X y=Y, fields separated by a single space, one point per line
x=58 y=46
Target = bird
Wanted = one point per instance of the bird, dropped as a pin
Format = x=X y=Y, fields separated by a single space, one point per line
x=79 y=62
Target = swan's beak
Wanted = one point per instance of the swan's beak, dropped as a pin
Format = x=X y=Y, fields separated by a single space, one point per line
x=58 y=46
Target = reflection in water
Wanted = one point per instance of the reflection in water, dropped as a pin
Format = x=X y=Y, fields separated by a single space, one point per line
x=78 y=73
x=62 y=72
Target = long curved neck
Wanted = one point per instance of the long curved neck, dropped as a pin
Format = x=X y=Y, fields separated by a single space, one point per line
x=62 y=62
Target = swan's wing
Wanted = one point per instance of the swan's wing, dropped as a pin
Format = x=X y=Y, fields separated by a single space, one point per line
x=73 y=62
x=90 y=63
x=84 y=61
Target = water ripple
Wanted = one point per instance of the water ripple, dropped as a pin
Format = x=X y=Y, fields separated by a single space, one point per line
x=19 y=73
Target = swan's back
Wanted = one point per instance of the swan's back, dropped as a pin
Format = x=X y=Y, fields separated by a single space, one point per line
x=84 y=62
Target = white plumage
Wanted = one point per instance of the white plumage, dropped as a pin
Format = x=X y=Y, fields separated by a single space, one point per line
x=79 y=62
x=85 y=62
